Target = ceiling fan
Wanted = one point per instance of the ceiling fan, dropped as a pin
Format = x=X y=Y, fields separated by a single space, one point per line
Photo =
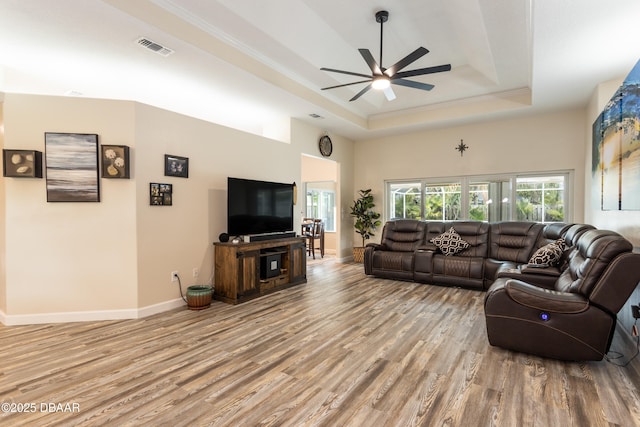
x=382 y=78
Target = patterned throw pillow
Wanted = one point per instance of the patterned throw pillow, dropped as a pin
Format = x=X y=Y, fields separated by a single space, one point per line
x=549 y=254
x=450 y=242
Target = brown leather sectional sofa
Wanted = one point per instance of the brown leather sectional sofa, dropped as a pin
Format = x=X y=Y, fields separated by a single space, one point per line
x=566 y=310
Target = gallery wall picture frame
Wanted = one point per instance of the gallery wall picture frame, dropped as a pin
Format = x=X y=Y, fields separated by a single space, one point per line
x=71 y=161
x=115 y=161
x=22 y=163
x=176 y=166
x=160 y=194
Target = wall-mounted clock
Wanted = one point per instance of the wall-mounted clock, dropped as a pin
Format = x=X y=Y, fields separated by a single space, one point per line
x=326 y=146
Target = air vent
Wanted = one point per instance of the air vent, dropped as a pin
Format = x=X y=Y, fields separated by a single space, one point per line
x=153 y=46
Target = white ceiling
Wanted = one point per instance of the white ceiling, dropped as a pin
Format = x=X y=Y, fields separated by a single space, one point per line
x=252 y=64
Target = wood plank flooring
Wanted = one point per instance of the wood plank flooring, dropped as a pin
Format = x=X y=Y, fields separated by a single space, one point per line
x=342 y=350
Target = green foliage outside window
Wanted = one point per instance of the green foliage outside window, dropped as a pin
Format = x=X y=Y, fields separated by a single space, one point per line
x=537 y=198
x=443 y=202
x=540 y=200
x=478 y=214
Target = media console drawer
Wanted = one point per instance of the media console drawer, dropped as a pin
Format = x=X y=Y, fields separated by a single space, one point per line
x=266 y=285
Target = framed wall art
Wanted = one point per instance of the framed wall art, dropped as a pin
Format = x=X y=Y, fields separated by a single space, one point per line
x=22 y=163
x=160 y=194
x=176 y=166
x=616 y=149
x=72 y=167
x=115 y=161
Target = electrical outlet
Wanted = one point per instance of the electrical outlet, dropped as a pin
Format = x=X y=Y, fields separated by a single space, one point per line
x=635 y=311
x=196 y=272
x=174 y=276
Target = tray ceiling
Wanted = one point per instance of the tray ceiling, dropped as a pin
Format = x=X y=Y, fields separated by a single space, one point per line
x=252 y=65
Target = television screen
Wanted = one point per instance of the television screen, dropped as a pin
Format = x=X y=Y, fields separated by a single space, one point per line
x=258 y=207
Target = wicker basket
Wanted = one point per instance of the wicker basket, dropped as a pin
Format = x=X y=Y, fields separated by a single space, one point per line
x=199 y=297
x=358 y=254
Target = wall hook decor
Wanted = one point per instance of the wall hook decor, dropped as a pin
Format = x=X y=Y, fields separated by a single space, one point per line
x=461 y=147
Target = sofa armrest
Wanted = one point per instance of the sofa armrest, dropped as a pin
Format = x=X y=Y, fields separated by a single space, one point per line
x=545 y=299
x=369 y=250
x=542 y=271
x=427 y=247
x=537 y=276
x=376 y=246
x=492 y=266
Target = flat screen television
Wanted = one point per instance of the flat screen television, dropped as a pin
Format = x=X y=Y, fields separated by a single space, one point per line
x=258 y=207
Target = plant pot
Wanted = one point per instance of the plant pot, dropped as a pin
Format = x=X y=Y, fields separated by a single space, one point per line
x=199 y=297
x=358 y=254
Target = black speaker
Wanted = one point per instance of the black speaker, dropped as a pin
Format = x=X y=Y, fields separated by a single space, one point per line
x=224 y=237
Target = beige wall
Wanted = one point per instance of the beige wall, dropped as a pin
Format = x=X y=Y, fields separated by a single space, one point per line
x=81 y=261
x=548 y=142
x=180 y=237
x=68 y=257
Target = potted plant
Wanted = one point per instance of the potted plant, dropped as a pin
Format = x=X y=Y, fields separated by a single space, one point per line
x=367 y=220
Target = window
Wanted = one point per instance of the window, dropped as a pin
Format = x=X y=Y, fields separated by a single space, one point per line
x=406 y=199
x=321 y=203
x=489 y=200
x=442 y=202
x=538 y=197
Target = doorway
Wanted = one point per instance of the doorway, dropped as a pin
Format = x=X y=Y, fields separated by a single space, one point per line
x=321 y=197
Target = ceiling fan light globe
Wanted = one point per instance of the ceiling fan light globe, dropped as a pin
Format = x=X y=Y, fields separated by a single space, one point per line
x=381 y=83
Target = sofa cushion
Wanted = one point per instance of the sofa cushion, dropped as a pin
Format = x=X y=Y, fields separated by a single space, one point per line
x=404 y=235
x=476 y=233
x=514 y=240
x=549 y=254
x=450 y=242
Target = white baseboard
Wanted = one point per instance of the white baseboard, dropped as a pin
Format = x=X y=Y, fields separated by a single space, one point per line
x=160 y=307
x=88 y=316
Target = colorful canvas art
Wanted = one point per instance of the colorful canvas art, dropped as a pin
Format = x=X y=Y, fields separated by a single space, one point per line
x=616 y=147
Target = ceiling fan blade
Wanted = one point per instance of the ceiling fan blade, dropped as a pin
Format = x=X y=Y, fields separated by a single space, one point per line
x=413 y=56
x=362 y=92
x=412 y=84
x=346 y=84
x=368 y=58
x=423 y=71
x=345 y=72
x=388 y=92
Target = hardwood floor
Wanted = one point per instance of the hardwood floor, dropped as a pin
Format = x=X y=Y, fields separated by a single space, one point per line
x=342 y=350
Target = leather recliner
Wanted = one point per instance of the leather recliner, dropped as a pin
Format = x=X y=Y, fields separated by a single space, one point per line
x=575 y=320
x=393 y=257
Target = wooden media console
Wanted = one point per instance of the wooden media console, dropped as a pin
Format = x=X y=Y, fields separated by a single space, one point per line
x=244 y=271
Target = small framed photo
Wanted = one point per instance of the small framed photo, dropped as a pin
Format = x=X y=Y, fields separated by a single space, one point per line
x=160 y=194
x=176 y=166
x=22 y=163
x=115 y=161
